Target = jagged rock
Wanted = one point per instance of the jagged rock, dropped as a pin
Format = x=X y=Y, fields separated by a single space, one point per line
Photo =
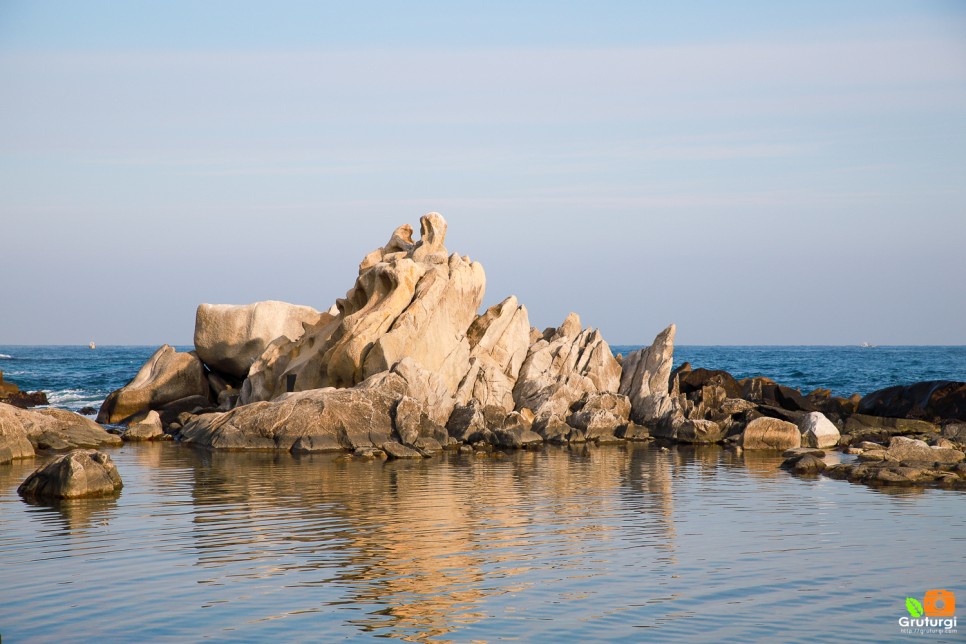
x=956 y=432
x=554 y=430
x=908 y=449
x=645 y=380
x=930 y=400
x=80 y=473
x=147 y=428
x=168 y=375
x=558 y=371
x=412 y=422
x=770 y=433
x=765 y=391
x=428 y=445
x=410 y=299
x=515 y=436
x=700 y=431
x=56 y=428
x=600 y=414
x=499 y=340
x=818 y=431
x=632 y=432
x=473 y=422
x=229 y=337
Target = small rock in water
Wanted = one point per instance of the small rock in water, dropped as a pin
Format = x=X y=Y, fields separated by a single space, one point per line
x=76 y=474
x=804 y=464
x=87 y=411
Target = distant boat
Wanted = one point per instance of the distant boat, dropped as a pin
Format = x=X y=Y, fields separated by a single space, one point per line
x=866 y=345
x=92 y=345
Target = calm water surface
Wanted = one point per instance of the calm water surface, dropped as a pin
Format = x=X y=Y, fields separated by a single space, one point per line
x=620 y=543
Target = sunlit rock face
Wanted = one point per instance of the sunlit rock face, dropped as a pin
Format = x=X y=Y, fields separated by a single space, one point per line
x=411 y=299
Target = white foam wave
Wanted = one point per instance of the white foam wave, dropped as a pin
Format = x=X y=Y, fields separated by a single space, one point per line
x=70 y=396
x=4 y=355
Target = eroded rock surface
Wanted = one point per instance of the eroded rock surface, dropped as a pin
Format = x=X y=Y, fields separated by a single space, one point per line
x=79 y=473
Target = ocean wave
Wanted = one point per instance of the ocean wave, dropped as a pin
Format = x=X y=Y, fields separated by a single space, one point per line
x=4 y=355
x=64 y=396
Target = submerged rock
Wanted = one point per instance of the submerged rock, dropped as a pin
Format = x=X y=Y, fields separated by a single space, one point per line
x=80 y=473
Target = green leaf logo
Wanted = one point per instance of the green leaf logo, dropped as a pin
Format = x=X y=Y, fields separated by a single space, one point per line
x=914 y=607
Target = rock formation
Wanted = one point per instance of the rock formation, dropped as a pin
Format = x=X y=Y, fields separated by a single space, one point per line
x=931 y=400
x=411 y=299
x=646 y=378
x=229 y=338
x=79 y=473
x=167 y=376
x=770 y=433
x=818 y=431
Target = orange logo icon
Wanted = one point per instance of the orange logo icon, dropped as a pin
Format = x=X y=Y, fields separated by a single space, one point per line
x=939 y=603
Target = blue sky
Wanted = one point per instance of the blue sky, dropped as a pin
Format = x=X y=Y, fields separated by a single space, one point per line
x=758 y=173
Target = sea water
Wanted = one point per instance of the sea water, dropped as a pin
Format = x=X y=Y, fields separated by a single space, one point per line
x=613 y=543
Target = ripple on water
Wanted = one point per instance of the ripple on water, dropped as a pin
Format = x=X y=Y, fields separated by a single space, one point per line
x=620 y=543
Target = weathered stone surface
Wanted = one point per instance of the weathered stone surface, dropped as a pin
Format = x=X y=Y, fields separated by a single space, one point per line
x=515 y=437
x=168 y=375
x=908 y=449
x=632 y=432
x=645 y=380
x=889 y=472
x=79 y=473
x=770 y=433
x=410 y=299
x=147 y=428
x=600 y=414
x=700 y=431
x=930 y=400
x=306 y=421
x=10 y=394
x=801 y=451
x=56 y=428
x=862 y=424
x=14 y=443
x=499 y=340
x=765 y=391
x=560 y=370
x=818 y=431
x=230 y=337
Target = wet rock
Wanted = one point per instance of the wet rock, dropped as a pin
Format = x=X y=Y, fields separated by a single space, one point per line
x=700 y=431
x=698 y=378
x=516 y=437
x=931 y=400
x=801 y=451
x=818 y=431
x=167 y=376
x=398 y=451
x=229 y=338
x=770 y=433
x=427 y=445
x=804 y=464
x=632 y=432
x=79 y=473
x=87 y=411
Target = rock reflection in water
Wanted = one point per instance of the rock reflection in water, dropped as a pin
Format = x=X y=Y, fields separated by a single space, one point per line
x=424 y=543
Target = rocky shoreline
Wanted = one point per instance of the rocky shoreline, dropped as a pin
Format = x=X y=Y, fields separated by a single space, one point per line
x=404 y=367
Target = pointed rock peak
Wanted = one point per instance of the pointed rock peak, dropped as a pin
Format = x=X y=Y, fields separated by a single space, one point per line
x=570 y=328
x=432 y=231
x=666 y=336
x=482 y=323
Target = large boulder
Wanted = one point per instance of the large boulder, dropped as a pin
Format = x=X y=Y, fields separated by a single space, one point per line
x=54 y=428
x=168 y=375
x=601 y=415
x=562 y=367
x=645 y=379
x=696 y=379
x=230 y=337
x=771 y=433
x=411 y=299
x=818 y=431
x=931 y=400
x=146 y=428
x=79 y=473
x=499 y=340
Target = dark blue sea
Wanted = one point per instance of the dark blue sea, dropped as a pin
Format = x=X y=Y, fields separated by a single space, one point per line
x=77 y=376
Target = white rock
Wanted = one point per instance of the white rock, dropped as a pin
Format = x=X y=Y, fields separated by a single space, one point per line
x=818 y=431
x=644 y=379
